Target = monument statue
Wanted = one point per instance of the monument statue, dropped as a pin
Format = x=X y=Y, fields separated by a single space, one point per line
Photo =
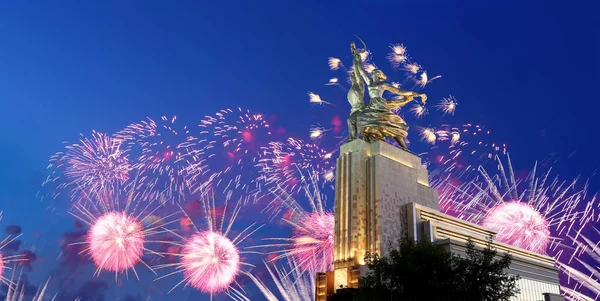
x=376 y=121
x=356 y=97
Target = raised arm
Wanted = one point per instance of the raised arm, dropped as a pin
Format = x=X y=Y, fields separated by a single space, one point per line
x=358 y=65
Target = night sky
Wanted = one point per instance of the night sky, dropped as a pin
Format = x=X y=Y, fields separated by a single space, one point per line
x=525 y=69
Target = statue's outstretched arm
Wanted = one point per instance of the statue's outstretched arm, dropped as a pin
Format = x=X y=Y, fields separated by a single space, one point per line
x=400 y=103
x=408 y=94
x=398 y=91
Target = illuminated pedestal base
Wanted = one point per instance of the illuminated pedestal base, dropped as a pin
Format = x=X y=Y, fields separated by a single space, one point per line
x=327 y=283
x=373 y=183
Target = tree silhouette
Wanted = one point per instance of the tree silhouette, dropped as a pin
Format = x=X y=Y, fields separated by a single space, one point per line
x=423 y=271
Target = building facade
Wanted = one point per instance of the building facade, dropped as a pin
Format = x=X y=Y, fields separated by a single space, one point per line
x=382 y=194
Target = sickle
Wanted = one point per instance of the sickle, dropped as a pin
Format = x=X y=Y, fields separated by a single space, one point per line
x=363 y=42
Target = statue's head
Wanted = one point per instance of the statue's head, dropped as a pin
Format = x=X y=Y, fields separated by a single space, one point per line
x=378 y=75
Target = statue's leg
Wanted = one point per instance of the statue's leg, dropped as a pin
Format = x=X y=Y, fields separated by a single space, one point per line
x=359 y=130
x=352 y=128
x=400 y=141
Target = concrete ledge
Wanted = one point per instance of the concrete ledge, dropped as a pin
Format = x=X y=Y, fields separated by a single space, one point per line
x=389 y=151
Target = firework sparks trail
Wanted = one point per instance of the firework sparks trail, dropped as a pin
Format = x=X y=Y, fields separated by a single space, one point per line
x=16 y=290
x=291 y=283
x=334 y=63
x=428 y=135
x=459 y=151
x=316 y=99
x=455 y=137
x=169 y=157
x=580 y=266
x=235 y=139
x=6 y=260
x=317 y=132
x=424 y=79
x=447 y=105
x=94 y=165
x=210 y=260
x=311 y=245
x=282 y=164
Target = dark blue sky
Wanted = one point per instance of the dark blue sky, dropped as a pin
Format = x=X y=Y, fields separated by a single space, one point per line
x=526 y=69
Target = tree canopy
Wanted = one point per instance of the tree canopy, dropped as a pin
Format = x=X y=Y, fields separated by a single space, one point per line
x=423 y=271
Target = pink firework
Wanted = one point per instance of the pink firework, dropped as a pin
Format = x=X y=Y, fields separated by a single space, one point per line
x=520 y=225
x=311 y=244
x=283 y=163
x=210 y=259
x=234 y=138
x=211 y=262
x=93 y=166
x=116 y=242
x=167 y=155
x=1 y=265
x=5 y=260
x=533 y=212
x=313 y=241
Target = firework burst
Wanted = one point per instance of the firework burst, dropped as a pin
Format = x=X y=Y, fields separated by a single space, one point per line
x=317 y=132
x=168 y=157
x=282 y=164
x=412 y=68
x=533 y=219
x=234 y=141
x=116 y=241
x=397 y=56
x=210 y=260
x=520 y=225
x=428 y=135
x=117 y=236
x=334 y=63
x=418 y=110
x=311 y=244
x=424 y=79
x=316 y=99
x=95 y=165
x=447 y=105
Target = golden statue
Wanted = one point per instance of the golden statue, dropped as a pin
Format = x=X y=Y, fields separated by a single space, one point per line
x=377 y=121
x=356 y=98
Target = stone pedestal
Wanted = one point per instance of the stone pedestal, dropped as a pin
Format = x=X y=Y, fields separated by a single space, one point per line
x=373 y=183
